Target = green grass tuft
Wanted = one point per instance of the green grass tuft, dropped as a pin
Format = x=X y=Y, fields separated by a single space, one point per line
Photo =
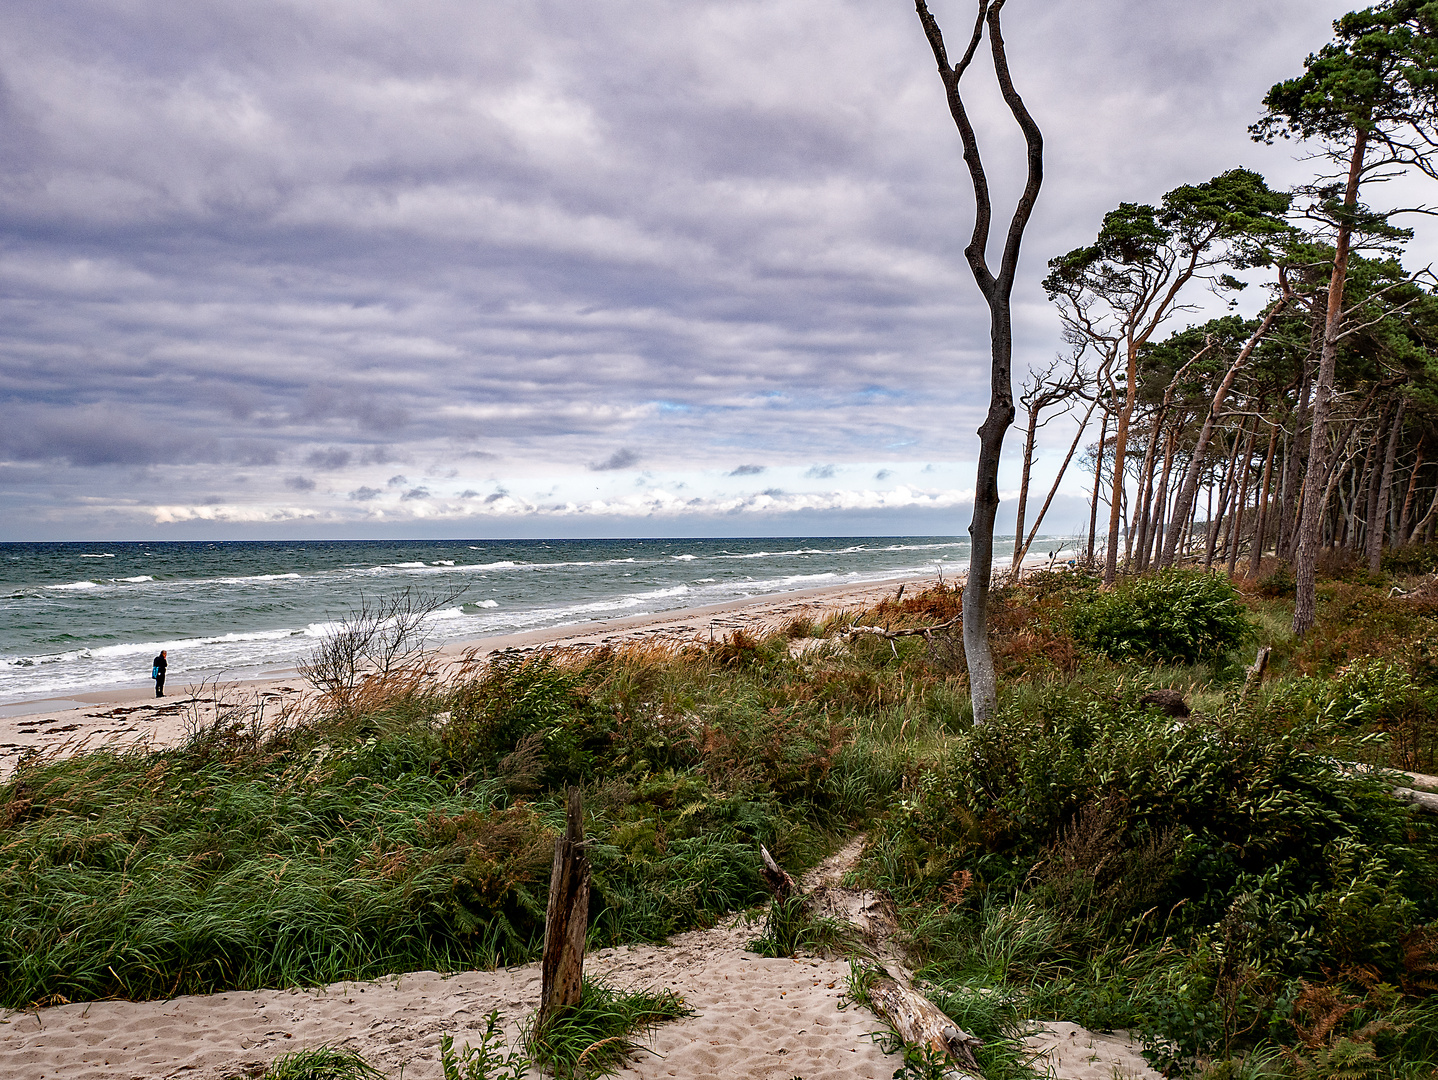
x=322 y=1063
x=597 y=1036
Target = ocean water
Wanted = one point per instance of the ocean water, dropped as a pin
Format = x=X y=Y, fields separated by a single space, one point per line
x=78 y=617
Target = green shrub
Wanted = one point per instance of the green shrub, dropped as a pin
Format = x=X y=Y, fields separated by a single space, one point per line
x=1413 y=559
x=1174 y=616
x=1279 y=583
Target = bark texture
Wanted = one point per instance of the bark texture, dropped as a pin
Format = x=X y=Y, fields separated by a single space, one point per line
x=566 y=923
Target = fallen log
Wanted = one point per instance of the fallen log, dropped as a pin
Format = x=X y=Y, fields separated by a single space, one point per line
x=918 y=1021
x=872 y=922
x=1423 y=800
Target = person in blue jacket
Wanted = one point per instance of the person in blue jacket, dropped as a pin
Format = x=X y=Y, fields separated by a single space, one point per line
x=157 y=672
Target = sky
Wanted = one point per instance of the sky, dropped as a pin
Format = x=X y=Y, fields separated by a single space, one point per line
x=453 y=269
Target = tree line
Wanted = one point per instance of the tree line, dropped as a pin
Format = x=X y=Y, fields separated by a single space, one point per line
x=1309 y=430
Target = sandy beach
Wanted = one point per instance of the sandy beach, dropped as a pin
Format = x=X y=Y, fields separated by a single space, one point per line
x=118 y=718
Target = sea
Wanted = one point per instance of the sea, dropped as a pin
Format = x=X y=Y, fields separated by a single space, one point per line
x=87 y=617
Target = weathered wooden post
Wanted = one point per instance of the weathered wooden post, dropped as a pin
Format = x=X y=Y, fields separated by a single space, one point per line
x=566 y=923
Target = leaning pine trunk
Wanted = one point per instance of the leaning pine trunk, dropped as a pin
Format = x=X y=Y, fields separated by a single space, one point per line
x=1255 y=561
x=1188 y=490
x=1385 y=484
x=1305 y=608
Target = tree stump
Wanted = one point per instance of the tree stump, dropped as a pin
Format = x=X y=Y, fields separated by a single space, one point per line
x=566 y=923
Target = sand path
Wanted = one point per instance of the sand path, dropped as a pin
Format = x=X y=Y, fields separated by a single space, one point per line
x=765 y=1019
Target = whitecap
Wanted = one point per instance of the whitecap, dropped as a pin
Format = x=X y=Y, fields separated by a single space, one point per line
x=442 y=562
x=75 y=585
x=136 y=580
x=107 y=555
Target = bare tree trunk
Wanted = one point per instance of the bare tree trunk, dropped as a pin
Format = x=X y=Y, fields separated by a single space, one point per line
x=1293 y=495
x=1215 y=525
x=1029 y=436
x=1034 y=531
x=1404 y=535
x=997 y=292
x=1189 y=486
x=1120 y=449
x=1256 y=559
x=1145 y=490
x=1372 y=469
x=1161 y=513
x=1245 y=468
x=1097 y=483
x=1305 y=610
x=566 y=923
x=1385 y=484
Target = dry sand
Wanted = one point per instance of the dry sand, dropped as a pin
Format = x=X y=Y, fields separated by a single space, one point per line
x=754 y=1017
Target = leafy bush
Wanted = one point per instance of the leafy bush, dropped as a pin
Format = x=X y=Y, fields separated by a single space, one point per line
x=1174 y=616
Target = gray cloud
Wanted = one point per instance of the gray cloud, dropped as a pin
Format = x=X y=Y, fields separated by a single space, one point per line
x=884 y=474
x=274 y=233
x=820 y=472
x=415 y=493
x=622 y=458
x=746 y=470
x=332 y=458
x=365 y=494
x=397 y=480
x=299 y=483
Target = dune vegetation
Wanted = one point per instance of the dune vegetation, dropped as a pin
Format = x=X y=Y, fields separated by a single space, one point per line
x=1239 y=887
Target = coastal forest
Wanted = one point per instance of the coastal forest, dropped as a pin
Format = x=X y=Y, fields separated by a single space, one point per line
x=1203 y=808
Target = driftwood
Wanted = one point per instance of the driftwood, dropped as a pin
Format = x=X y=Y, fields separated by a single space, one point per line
x=566 y=923
x=879 y=631
x=871 y=917
x=916 y=1020
x=774 y=875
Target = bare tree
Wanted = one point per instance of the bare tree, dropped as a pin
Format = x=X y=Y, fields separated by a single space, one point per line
x=378 y=636
x=1049 y=387
x=997 y=290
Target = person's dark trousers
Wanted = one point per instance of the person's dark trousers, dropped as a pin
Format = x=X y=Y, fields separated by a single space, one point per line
x=160 y=685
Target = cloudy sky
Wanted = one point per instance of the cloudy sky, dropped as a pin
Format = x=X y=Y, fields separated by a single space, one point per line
x=630 y=267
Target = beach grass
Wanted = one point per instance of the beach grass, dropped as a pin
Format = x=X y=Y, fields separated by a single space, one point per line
x=1231 y=887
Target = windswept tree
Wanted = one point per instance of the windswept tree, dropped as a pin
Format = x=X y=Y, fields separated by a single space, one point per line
x=997 y=289
x=1118 y=291
x=1369 y=99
